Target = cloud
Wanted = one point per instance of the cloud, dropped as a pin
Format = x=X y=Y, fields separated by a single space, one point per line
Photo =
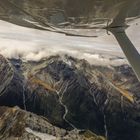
x=31 y=44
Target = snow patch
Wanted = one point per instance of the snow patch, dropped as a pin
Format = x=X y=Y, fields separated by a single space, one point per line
x=43 y=136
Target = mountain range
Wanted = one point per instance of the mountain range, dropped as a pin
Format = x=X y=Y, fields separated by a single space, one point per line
x=69 y=99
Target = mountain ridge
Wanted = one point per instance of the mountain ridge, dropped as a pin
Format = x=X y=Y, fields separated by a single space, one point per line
x=72 y=94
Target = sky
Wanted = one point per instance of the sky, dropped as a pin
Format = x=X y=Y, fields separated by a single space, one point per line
x=33 y=44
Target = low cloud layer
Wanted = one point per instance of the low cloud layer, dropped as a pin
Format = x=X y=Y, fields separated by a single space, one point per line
x=31 y=44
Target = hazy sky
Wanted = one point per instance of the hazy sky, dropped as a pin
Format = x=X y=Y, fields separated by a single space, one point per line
x=32 y=44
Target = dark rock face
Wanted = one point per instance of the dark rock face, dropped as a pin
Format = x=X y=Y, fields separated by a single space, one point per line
x=11 y=79
x=6 y=74
x=72 y=94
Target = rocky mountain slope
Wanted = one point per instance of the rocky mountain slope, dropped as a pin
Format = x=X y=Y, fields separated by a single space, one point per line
x=73 y=95
x=18 y=124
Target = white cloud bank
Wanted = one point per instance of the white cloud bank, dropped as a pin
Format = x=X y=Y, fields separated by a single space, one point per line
x=32 y=44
